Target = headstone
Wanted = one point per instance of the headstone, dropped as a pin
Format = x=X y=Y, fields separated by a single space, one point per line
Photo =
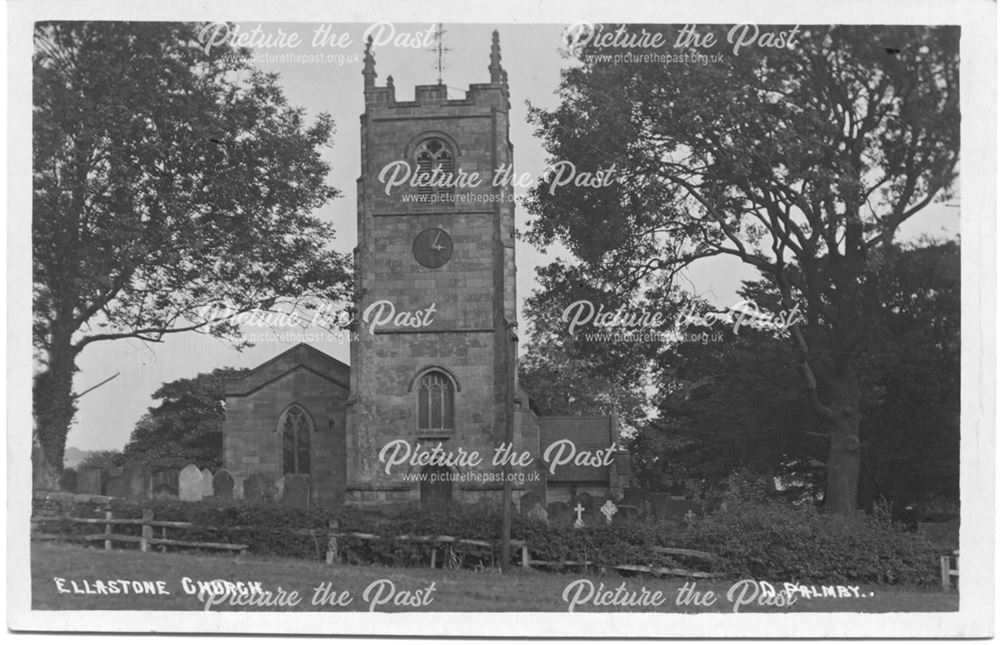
x=138 y=479
x=258 y=488
x=578 y=522
x=608 y=510
x=636 y=497
x=90 y=481
x=529 y=501
x=538 y=513
x=67 y=481
x=279 y=489
x=628 y=511
x=207 y=489
x=222 y=485
x=296 y=491
x=164 y=492
x=117 y=486
x=560 y=514
x=189 y=488
x=167 y=477
x=670 y=507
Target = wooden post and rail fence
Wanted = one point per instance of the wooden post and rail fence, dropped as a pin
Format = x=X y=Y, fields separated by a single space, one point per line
x=148 y=540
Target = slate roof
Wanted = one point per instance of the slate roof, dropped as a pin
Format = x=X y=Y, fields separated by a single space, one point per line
x=302 y=356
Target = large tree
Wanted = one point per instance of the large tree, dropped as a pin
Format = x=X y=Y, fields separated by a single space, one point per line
x=733 y=405
x=173 y=188
x=186 y=427
x=582 y=373
x=802 y=161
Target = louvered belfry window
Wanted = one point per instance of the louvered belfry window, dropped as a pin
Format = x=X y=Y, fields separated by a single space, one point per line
x=430 y=155
x=435 y=403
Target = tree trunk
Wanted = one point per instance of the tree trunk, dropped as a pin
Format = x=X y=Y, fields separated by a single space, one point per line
x=54 y=409
x=843 y=467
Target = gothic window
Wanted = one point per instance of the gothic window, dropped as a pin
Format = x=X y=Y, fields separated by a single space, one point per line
x=296 y=429
x=435 y=403
x=435 y=155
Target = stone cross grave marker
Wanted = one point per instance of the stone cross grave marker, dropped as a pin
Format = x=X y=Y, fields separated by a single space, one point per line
x=608 y=510
x=579 y=516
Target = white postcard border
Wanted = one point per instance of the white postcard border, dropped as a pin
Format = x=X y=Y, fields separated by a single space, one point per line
x=977 y=19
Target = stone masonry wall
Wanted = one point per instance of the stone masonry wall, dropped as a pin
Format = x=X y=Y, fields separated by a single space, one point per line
x=253 y=439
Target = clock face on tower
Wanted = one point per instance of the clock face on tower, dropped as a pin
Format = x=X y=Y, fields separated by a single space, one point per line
x=432 y=248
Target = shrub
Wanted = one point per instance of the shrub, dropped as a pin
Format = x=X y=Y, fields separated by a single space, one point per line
x=780 y=542
x=752 y=538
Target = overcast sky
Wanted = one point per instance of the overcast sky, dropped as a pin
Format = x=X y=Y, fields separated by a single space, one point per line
x=531 y=57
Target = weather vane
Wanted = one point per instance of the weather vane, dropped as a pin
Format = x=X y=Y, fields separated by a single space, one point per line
x=439 y=49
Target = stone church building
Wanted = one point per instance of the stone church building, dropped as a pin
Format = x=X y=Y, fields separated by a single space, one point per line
x=434 y=362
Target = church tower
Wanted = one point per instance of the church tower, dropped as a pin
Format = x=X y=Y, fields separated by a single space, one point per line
x=435 y=293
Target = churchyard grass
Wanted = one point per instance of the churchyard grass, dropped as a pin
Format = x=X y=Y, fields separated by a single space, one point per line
x=454 y=590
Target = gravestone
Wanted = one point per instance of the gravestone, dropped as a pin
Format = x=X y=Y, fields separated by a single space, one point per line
x=296 y=491
x=90 y=481
x=627 y=511
x=670 y=507
x=222 y=485
x=207 y=488
x=68 y=480
x=528 y=502
x=590 y=515
x=164 y=492
x=538 y=513
x=561 y=515
x=637 y=498
x=167 y=477
x=608 y=510
x=138 y=479
x=258 y=488
x=116 y=486
x=189 y=484
x=279 y=489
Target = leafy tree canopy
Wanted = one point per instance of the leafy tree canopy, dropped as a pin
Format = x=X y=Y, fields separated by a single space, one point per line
x=186 y=427
x=173 y=188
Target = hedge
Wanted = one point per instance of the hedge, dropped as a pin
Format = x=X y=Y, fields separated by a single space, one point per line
x=775 y=542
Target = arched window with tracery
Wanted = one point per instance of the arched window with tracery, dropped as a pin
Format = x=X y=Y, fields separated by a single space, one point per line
x=435 y=155
x=296 y=428
x=435 y=403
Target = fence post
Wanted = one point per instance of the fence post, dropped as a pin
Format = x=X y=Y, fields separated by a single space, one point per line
x=107 y=530
x=945 y=575
x=147 y=529
x=434 y=554
x=525 y=558
x=332 y=552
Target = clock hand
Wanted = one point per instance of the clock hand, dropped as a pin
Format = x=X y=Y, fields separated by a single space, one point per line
x=435 y=246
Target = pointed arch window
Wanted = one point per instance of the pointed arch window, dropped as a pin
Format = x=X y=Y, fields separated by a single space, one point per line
x=435 y=403
x=435 y=155
x=296 y=428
